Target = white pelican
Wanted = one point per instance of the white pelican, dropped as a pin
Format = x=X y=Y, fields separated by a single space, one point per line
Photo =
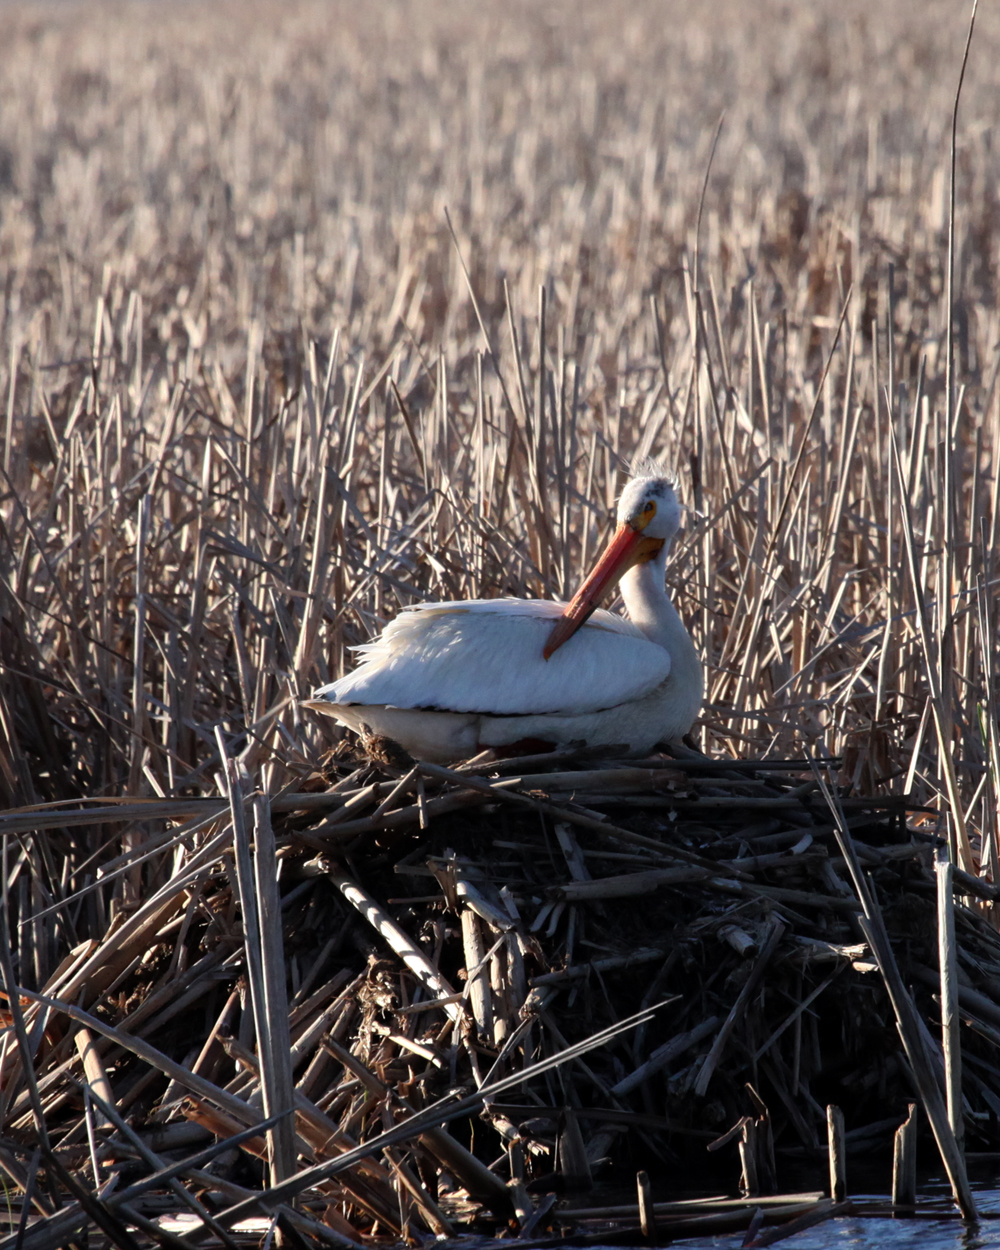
x=446 y=680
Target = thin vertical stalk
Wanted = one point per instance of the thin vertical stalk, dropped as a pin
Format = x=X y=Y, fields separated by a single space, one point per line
x=948 y=964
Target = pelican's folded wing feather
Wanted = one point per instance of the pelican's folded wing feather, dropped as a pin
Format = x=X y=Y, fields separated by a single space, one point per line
x=485 y=656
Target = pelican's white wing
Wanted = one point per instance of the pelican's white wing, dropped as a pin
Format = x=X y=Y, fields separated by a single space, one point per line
x=485 y=656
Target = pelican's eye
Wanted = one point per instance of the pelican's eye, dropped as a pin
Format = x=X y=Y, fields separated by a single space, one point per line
x=645 y=515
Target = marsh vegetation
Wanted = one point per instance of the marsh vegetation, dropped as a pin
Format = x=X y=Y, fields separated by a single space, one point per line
x=312 y=311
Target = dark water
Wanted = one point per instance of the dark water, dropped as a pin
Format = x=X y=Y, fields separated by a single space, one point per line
x=925 y=1233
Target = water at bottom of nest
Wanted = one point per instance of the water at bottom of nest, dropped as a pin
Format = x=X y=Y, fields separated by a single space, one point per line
x=933 y=1225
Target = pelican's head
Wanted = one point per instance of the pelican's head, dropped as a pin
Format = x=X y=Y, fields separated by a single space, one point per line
x=648 y=518
x=648 y=506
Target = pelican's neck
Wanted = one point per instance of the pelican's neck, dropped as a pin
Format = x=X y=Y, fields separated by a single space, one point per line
x=647 y=601
x=649 y=607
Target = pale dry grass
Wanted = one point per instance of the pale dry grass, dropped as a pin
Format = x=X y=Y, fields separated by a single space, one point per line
x=223 y=235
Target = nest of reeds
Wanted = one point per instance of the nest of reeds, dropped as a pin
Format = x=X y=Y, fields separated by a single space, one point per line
x=510 y=986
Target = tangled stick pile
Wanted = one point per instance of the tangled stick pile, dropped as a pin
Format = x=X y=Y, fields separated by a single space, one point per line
x=465 y=947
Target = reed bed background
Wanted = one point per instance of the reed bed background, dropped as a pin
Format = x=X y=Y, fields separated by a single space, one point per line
x=314 y=311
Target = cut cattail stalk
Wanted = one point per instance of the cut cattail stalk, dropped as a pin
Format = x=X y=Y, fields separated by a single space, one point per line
x=837 y=1153
x=904 y=1163
x=647 y=1216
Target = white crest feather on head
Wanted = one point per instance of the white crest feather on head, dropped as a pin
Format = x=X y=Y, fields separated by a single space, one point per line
x=646 y=466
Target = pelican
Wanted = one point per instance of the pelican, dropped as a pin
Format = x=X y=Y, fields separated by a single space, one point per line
x=447 y=680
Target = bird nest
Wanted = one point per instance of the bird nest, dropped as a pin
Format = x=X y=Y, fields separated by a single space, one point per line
x=491 y=994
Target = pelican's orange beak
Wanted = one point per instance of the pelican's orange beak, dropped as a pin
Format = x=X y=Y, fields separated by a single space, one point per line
x=628 y=547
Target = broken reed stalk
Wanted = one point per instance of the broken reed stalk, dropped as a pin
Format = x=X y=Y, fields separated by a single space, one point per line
x=647 y=1212
x=951 y=1038
x=478 y=972
x=904 y=1162
x=837 y=1152
x=664 y=1055
x=908 y=1022
x=748 y=1147
x=401 y=943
